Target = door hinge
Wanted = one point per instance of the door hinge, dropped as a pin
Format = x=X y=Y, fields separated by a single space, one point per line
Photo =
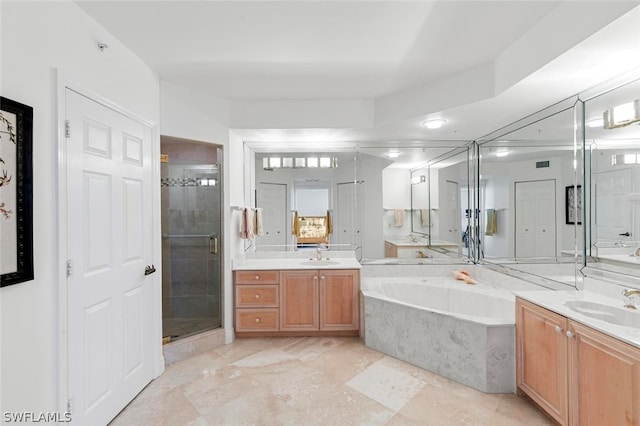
x=69 y=405
x=69 y=267
x=67 y=129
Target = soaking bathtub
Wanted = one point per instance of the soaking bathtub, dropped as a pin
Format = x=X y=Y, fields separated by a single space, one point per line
x=463 y=332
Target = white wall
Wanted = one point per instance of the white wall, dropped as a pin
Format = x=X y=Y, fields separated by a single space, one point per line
x=499 y=181
x=191 y=114
x=38 y=37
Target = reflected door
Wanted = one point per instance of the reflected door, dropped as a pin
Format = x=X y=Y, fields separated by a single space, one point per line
x=613 y=212
x=348 y=224
x=535 y=219
x=272 y=199
x=451 y=230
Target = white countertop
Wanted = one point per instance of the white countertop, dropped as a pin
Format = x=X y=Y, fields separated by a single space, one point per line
x=295 y=263
x=555 y=301
x=420 y=242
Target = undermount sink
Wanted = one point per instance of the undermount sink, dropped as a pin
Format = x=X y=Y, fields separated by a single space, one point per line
x=620 y=316
x=323 y=262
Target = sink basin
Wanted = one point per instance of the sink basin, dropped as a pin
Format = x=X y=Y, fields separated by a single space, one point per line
x=611 y=314
x=320 y=262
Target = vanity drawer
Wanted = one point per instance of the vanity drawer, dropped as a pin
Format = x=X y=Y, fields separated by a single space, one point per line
x=257 y=295
x=257 y=277
x=257 y=319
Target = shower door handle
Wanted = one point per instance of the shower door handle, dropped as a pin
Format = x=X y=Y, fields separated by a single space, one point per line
x=213 y=244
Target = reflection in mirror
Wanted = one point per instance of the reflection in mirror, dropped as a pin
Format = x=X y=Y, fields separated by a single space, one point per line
x=612 y=134
x=309 y=199
x=407 y=214
x=527 y=194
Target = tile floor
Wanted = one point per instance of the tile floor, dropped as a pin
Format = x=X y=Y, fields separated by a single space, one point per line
x=314 y=381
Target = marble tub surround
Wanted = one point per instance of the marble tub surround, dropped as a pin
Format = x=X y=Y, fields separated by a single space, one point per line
x=314 y=381
x=555 y=301
x=300 y=259
x=460 y=331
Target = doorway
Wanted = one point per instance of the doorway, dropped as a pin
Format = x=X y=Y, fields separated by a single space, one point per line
x=272 y=199
x=535 y=218
x=191 y=199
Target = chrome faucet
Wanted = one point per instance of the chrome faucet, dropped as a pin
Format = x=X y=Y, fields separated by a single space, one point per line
x=318 y=253
x=619 y=244
x=628 y=294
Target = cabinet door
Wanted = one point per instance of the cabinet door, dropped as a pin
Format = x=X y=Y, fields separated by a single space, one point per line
x=339 y=305
x=541 y=362
x=299 y=300
x=605 y=386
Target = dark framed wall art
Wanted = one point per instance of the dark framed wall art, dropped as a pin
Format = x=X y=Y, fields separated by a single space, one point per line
x=573 y=205
x=16 y=192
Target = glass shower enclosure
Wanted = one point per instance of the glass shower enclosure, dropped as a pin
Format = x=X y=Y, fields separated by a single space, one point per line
x=191 y=244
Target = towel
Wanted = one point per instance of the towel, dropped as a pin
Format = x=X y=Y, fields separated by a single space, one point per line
x=246 y=231
x=259 y=227
x=463 y=276
x=491 y=227
x=398 y=215
x=424 y=218
x=295 y=228
x=328 y=223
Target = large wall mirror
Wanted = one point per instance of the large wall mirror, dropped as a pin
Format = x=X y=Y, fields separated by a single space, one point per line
x=529 y=175
x=440 y=202
x=358 y=199
x=612 y=137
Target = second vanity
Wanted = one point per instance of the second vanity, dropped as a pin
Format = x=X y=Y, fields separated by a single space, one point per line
x=297 y=296
x=578 y=357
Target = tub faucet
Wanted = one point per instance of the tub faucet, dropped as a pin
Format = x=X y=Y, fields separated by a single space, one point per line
x=628 y=294
x=619 y=244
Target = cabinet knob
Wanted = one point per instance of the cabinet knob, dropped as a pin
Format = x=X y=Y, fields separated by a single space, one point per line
x=315 y=277
x=257 y=296
x=257 y=320
x=570 y=334
x=558 y=329
x=257 y=277
x=322 y=277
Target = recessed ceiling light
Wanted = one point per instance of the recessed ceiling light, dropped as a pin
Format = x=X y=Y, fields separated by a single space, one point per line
x=436 y=123
x=393 y=153
x=502 y=153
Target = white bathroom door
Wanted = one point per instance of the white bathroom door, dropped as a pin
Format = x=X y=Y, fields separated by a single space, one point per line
x=272 y=199
x=535 y=219
x=613 y=211
x=451 y=230
x=348 y=223
x=109 y=221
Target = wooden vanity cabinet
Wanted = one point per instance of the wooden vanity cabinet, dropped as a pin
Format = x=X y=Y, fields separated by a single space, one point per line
x=605 y=379
x=305 y=302
x=578 y=375
x=299 y=300
x=339 y=302
x=542 y=354
x=257 y=301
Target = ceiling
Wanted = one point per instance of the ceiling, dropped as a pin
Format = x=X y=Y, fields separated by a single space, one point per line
x=478 y=64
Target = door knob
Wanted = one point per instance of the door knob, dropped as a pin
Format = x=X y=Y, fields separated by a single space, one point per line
x=148 y=270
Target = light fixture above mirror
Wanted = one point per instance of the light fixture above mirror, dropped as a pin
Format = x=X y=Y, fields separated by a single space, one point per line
x=272 y=163
x=622 y=115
